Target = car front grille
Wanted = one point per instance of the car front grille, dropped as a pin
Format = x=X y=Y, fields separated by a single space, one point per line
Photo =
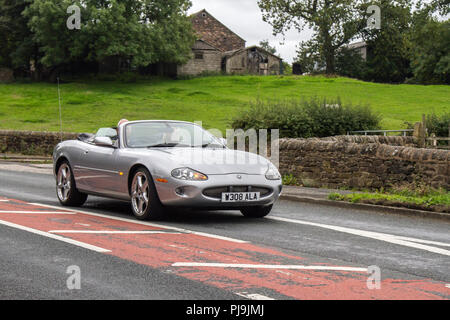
x=217 y=192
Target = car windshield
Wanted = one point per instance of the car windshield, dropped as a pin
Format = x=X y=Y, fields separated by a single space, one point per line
x=169 y=135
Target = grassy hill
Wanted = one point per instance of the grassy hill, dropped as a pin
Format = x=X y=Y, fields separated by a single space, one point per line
x=88 y=105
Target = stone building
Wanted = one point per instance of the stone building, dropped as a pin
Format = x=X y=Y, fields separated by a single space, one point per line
x=205 y=58
x=218 y=49
x=252 y=60
x=212 y=31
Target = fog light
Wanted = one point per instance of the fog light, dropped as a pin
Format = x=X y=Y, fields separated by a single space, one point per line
x=180 y=191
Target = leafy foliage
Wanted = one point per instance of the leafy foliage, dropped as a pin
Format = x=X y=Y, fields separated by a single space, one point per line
x=350 y=63
x=17 y=47
x=307 y=118
x=136 y=32
x=334 y=22
x=388 y=48
x=438 y=124
x=266 y=46
x=430 y=53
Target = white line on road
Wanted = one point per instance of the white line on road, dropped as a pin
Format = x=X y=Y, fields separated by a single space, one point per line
x=111 y=232
x=37 y=212
x=4 y=200
x=55 y=237
x=144 y=223
x=403 y=241
x=253 y=296
x=266 y=266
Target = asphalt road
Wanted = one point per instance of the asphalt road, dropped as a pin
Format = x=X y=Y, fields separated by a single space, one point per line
x=410 y=252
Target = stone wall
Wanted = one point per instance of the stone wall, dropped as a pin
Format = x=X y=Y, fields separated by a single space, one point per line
x=204 y=59
x=363 y=162
x=31 y=143
x=347 y=161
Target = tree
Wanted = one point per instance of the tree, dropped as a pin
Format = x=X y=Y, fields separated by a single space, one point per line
x=266 y=46
x=335 y=23
x=389 y=48
x=430 y=43
x=139 y=32
x=430 y=55
x=17 y=47
x=350 y=63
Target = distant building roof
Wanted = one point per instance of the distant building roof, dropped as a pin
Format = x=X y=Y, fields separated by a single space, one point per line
x=233 y=52
x=357 y=45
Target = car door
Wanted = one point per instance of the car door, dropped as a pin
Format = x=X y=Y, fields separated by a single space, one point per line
x=97 y=170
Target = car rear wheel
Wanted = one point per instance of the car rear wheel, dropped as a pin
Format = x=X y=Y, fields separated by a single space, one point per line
x=256 y=212
x=144 y=199
x=68 y=194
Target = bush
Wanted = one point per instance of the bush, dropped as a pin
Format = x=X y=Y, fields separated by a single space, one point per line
x=439 y=125
x=307 y=118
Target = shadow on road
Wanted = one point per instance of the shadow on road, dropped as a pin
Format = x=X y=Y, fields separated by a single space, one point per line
x=185 y=216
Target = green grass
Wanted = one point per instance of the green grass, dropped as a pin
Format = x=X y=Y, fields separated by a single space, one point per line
x=430 y=198
x=88 y=105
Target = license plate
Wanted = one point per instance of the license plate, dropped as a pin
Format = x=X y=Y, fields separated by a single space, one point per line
x=240 y=196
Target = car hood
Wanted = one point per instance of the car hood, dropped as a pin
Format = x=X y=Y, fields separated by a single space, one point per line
x=215 y=161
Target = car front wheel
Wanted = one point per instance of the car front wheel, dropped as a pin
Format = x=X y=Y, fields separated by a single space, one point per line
x=256 y=212
x=144 y=199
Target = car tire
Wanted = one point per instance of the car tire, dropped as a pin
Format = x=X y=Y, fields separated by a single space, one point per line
x=66 y=190
x=256 y=212
x=145 y=202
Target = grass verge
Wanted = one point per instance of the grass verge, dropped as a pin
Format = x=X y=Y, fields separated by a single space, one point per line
x=432 y=200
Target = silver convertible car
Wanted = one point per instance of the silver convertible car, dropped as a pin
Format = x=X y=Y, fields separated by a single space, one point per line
x=164 y=164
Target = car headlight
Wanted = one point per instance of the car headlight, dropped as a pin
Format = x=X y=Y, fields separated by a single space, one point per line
x=273 y=173
x=188 y=174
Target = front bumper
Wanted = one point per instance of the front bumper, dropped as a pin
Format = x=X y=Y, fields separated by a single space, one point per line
x=193 y=192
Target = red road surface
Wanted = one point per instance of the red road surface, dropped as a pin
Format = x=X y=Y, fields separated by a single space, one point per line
x=166 y=247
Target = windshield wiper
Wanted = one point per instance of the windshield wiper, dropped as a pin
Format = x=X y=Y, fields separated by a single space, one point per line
x=206 y=145
x=167 y=145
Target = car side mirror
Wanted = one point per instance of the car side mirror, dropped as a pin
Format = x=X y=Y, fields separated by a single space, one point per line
x=103 y=142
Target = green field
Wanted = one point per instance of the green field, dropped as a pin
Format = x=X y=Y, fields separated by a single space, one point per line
x=88 y=105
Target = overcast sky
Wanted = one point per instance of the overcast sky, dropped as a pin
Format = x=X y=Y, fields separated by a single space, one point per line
x=244 y=18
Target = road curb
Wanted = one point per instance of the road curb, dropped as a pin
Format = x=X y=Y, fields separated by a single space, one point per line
x=369 y=207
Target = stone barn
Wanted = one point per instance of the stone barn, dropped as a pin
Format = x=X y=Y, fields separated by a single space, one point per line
x=205 y=58
x=220 y=50
x=253 y=60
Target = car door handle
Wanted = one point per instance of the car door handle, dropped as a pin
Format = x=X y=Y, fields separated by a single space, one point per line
x=86 y=152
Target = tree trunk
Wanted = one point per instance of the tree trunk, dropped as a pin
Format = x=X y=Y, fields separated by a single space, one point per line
x=329 y=58
x=328 y=49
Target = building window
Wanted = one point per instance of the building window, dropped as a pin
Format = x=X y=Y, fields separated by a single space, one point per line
x=199 y=56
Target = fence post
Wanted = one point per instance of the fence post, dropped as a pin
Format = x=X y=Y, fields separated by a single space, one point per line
x=418 y=134
x=434 y=141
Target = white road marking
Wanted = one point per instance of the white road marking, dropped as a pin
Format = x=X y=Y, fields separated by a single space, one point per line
x=403 y=241
x=266 y=266
x=83 y=224
x=55 y=237
x=4 y=200
x=253 y=296
x=37 y=212
x=447 y=285
x=145 y=223
x=111 y=232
